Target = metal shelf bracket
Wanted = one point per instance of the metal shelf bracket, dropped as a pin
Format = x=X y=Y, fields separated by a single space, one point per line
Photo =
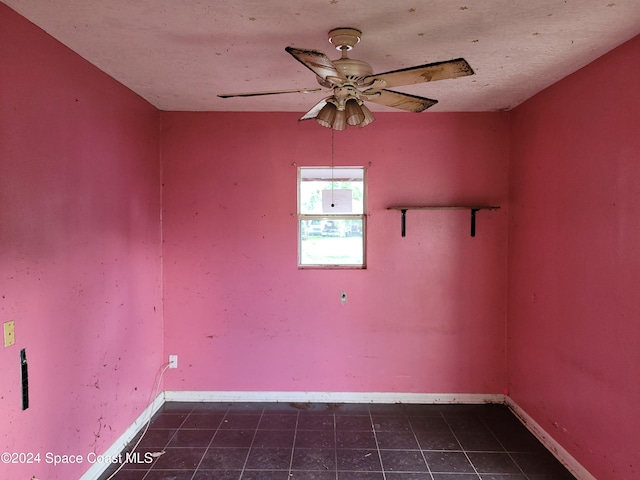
x=473 y=209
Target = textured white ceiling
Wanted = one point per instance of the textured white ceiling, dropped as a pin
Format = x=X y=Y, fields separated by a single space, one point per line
x=180 y=54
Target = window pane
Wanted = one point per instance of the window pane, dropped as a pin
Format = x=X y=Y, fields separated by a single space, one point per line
x=331 y=241
x=331 y=214
x=331 y=190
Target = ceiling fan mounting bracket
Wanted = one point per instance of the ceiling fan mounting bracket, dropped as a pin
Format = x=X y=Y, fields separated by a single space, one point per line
x=344 y=38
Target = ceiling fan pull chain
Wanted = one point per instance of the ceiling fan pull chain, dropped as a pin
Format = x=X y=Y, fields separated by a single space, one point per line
x=332 y=204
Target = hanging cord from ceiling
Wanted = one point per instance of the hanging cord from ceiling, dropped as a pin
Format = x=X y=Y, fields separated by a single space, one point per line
x=332 y=156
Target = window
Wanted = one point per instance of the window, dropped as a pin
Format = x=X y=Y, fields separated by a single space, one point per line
x=331 y=219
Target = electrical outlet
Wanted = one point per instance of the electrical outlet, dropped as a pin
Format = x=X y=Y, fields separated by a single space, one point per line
x=173 y=361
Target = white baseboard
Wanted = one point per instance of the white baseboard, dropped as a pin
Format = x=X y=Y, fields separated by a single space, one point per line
x=549 y=442
x=97 y=469
x=333 y=397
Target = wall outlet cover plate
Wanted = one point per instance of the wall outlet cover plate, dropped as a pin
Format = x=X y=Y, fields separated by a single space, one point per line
x=9 y=333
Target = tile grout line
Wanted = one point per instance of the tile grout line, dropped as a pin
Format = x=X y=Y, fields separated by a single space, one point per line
x=506 y=450
x=164 y=449
x=293 y=446
x=335 y=441
x=206 y=450
x=255 y=434
x=375 y=437
x=462 y=449
x=415 y=437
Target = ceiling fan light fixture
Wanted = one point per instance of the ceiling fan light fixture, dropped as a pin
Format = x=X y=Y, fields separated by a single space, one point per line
x=338 y=113
x=340 y=120
x=368 y=116
x=327 y=115
x=354 y=112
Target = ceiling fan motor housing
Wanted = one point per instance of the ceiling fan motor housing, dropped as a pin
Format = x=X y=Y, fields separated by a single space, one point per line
x=344 y=39
x=355 y=70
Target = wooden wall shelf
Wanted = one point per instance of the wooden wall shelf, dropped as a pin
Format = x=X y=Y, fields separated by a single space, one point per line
x=472 y=208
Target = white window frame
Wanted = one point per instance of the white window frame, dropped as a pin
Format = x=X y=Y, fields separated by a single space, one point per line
x=332 y=174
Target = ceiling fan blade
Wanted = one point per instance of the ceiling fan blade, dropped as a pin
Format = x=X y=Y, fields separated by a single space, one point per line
x=403 y=101
x=318 y=63
x=423 y=73
x=313 y=113
x=274 y=92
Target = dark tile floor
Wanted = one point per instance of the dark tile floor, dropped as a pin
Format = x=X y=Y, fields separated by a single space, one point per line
x=275 y=441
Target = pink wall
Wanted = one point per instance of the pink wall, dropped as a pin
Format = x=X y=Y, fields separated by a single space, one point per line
x=574 y=262
x=81 y=256
x=79 y=251
x=427 y=315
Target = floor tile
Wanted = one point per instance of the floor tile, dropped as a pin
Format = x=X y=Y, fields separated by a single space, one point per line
x=466 y=423
x=448 y=462
x=386 y=409
x=178 y=407
x=127 y=474
x=479 y=442
x=353 y=422
x=360 y=476
x=313 y=475
x=538 y=464
x=217 y=475
x=157 y=438
x=179 y=458
x=274 y=438
x=314 y=459
x=269 y=459
x=168 y=420
x=212 y=407
x=316 y=441
x=316 y=422
x=407 y=476
x=266 y=475
x=421 y=410
x=403 y=461
x=438 y=440
x=358 y=460
x=551 y=476
x=192 y=438
x=233 y=438
x=455 y=476
x=428 y=424
x=278 y=421
x=390 y=423
x=352 y=409
x=494 y=476
x=252 y=408
x=202 y=420
x=169 y=475
x=493 y=463
x=240 y=422
x=400 y=440
x=224 y=459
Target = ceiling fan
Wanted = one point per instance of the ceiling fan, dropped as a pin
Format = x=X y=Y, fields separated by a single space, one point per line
x=352 y=82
